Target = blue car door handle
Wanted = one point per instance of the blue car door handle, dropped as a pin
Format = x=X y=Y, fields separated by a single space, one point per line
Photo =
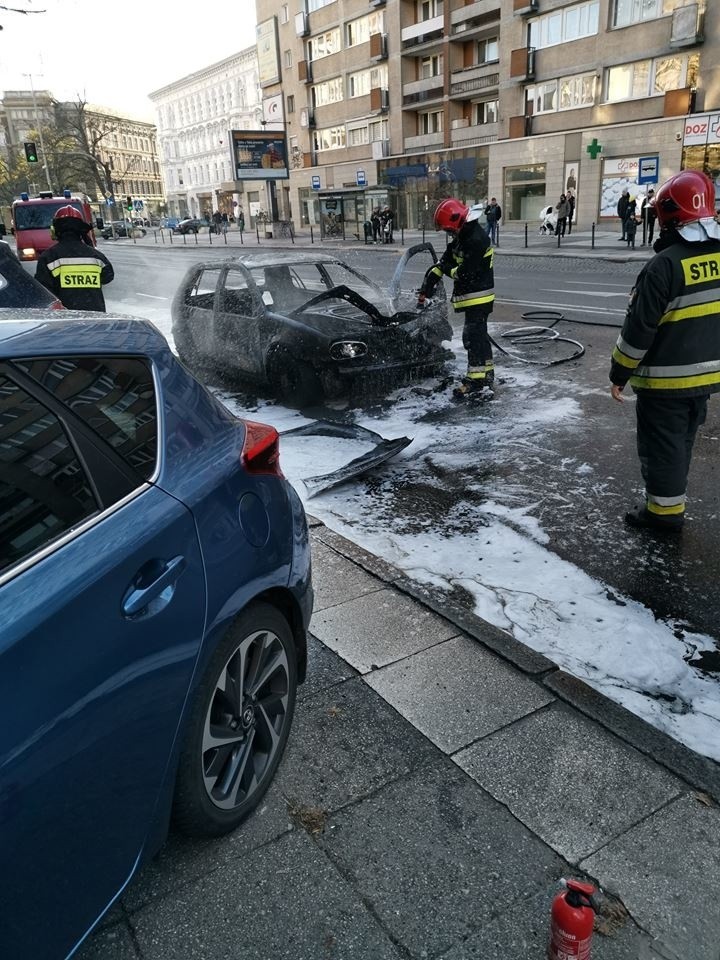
x=138 y=597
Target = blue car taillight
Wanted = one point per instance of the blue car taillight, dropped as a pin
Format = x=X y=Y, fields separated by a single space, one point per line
x=261 y=449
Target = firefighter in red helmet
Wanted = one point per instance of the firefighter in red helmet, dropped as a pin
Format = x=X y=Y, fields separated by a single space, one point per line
x=468 y=260
x=72 y=268
x=669 y=347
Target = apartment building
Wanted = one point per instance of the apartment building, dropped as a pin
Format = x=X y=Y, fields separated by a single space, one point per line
x=407 y=101
x=195 y=116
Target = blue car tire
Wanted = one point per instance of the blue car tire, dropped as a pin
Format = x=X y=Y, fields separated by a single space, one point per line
x=239 y=724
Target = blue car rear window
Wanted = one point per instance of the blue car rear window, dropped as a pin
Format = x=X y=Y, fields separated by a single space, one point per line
x=44 y=491
x=115 y=396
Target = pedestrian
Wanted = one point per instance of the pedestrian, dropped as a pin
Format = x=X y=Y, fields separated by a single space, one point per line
x=669 y=346
x=571 y=210
x=493 y=215
x=621 y=211
x=630 y=222
x=563 y=208
x=73 y=269
x=376 y=225
x=387 y=225
x=648 y=216
x=468 y=260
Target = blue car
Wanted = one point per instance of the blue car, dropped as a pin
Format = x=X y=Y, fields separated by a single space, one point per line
x=155 y=593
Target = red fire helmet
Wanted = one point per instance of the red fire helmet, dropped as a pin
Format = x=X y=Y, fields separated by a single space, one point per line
x=684 y=199
x=450 y=214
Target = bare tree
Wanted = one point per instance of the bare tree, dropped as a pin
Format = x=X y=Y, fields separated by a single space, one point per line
x=23 y=10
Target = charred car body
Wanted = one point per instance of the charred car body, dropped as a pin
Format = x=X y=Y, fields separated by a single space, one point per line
x=308 y=325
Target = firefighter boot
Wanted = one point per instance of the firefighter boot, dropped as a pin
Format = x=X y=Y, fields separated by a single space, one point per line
x=641 y=518
x=477 y=385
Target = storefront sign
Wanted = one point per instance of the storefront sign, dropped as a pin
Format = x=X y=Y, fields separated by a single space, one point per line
x=702 y=128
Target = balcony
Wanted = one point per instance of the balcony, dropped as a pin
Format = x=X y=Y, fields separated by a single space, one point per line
x=378 y=46
x=304 y=71
x=482 y=77
x=522 y=63
x=379 y=100
x=420 y=33
x=471 y=136
x=423 y=91
x=424 y=141
x=471 y=19
x=524 y=7
x=687 y=26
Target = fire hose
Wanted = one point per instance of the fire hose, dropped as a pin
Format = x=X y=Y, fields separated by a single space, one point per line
x=539 y=334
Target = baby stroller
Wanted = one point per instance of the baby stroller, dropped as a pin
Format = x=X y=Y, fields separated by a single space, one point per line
x=548 y=221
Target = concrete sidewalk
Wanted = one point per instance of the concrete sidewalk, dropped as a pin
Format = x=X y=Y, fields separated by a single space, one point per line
x=439 y=779
x=602 y=243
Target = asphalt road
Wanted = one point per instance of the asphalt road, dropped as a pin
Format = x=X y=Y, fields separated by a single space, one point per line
x=583 y=517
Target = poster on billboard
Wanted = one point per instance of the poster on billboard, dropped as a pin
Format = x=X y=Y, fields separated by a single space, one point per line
x=267 y=52
x=259 y=155
x=570 y=179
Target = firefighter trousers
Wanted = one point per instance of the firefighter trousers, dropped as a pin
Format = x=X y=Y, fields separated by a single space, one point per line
x=477 y=343
x=666 y=428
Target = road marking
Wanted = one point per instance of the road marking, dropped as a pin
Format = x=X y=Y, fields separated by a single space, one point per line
x=150 y=296
x=561 y=306
x=592 y=293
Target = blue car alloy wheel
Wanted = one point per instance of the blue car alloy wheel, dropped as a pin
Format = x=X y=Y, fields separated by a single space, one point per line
x=239 y=725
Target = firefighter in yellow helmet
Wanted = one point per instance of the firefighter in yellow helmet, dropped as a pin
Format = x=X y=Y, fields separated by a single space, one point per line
x=468 y=260
x=73 y=269
x=669 y=347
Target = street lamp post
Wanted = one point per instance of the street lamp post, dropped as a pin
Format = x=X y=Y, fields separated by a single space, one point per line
x=39 y=126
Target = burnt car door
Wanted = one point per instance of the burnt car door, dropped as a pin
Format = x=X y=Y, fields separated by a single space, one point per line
x=197 y=311
x=409 y=274
x=239 y=324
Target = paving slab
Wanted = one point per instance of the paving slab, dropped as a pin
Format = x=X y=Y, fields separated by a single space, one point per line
x=336 y=579
x=324 y=670
x=457 y=692
x=347 y=743
x=372 y=631
x=571 y=782
x=435 y=857
x=284 y=902
x=110 y=943
x=667 y=873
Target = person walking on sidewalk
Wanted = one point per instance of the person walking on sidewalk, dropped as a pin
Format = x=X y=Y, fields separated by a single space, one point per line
x=571 y=210
x=73 y=269
x=622 y=205
x=648 y=216
x=563 y=208
x=669 y=346
x=493 y=216
x=468 y=260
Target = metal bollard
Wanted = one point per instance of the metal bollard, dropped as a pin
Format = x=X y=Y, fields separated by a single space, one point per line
x=210 y=233
x=242 y=242
x=402 y=236
x=184 y=236
x=257 y=231
x=423 y=234
x=312 y=239
x=526 y=235
x=497 y=234
x=558 y=239
x=592 y=236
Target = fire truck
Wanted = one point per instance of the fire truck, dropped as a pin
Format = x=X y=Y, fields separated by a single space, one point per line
x=32 y=218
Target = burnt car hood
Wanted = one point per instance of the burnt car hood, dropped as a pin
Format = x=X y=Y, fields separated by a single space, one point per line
x=381 y=451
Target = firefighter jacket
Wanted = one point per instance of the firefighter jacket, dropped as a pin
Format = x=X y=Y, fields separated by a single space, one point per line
x=670 y=341
x=75 y=272
x=468 y=260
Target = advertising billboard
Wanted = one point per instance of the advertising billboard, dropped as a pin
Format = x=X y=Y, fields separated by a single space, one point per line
x=267 y=52
x=259 y=155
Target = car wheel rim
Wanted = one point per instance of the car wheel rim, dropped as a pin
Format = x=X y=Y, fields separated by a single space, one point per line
x=246 y=719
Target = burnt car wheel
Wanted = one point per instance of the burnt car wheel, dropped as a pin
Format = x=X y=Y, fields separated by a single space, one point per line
x=239 y=724
x=295 y=381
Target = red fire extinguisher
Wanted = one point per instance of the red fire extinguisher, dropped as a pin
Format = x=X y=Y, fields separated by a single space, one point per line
x=571 y=922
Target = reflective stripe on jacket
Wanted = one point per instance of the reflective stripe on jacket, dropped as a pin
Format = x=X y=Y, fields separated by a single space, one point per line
x=670 y=340
x=468 y=260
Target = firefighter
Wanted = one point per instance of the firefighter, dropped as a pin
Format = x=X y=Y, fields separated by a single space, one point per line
x=73 y=269
x=669 y=347
x=468 y=260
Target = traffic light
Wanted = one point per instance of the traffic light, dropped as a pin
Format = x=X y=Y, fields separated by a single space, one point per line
x=31 y=152
x=128 y=203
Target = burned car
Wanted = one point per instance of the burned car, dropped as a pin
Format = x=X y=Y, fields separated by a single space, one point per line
x=308 y=326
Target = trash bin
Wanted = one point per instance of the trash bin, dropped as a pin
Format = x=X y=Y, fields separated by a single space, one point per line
x=367 y=227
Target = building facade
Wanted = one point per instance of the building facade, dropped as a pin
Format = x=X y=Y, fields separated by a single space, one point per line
x=195 y=116
x=407 y=101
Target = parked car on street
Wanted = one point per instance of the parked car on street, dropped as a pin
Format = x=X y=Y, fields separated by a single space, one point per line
x=155 y=594
x=121 y=228
x=18 y=288
x=308 y=325
x=191 y=225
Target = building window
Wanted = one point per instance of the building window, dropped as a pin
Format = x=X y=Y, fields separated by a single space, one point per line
x=330 y=91
x=378 y=130
x=316 y=4
x=542 y=97
x=360 y=84
x=429 y=9
x=635 y=11
x=650 y=78
x=577 y=92
x=431 y=122
x=487 y=111
x=488 y=50
x=431 y=67
x=332 y=138
x=290 y=103
x=284 y=13
x=359 y=31
x=357 y=136
x=287 y=58
x=562 y=26
x=324 y=45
